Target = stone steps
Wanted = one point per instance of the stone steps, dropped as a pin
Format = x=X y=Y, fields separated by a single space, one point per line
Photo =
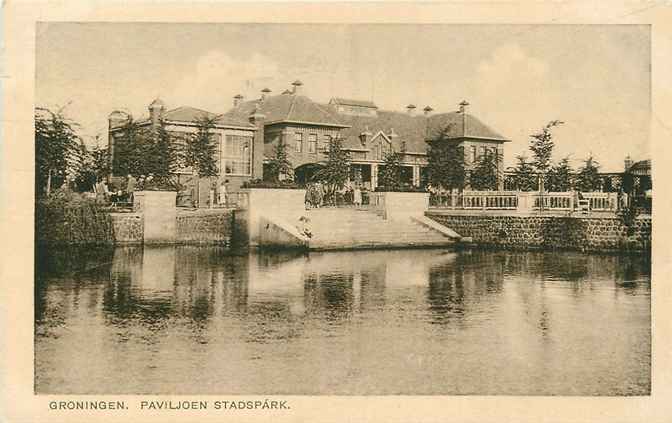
x=350 y=228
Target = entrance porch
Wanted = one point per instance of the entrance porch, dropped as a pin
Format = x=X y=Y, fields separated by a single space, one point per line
x=369 y=174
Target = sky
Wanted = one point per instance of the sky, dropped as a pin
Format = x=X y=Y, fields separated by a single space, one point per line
x=594 y=78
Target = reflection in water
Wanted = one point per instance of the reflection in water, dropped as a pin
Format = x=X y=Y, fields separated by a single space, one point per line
x=210 y=320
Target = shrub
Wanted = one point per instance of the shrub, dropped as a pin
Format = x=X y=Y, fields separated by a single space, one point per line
x=69 y=218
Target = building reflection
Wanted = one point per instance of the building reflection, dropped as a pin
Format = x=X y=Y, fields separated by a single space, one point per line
x=462 y=286
x=274 y=297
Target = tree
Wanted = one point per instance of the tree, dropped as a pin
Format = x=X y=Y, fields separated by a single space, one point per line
x=56 y=143
x=336 y=170
x=445 y=167
x=524 y=176
x=100 y=162
x=559 y=177
x=391 y=176
x=279 y=165
x=588 y=179
x=541 y=146
x=198 y=150
x=129 y=149
x=161 y=153
x=484 y=176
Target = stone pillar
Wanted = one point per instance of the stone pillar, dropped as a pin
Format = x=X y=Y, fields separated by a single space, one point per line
x=416 y=175
x=159 y=215
x=404 y=205
x=526 y=201
x=374 y=175
x=275 y=205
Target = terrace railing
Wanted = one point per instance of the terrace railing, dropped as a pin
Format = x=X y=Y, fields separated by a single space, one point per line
x=602 y=201
x=560 y=201
x=476 y=200
x=524 y=201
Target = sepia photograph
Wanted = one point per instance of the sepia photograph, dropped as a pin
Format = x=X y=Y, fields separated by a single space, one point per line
x=342 y=209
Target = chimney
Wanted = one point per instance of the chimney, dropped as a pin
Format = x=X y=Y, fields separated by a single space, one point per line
x=410 y=109
x=118 y=118
x=427 y=110
x=628 y=163
x=463 y=111
x=296 y=87
x=257 y=116
x=264 y=93
x=155 y=111
x=237 y=99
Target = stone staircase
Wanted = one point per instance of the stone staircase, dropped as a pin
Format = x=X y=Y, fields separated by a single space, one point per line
x=346 y=228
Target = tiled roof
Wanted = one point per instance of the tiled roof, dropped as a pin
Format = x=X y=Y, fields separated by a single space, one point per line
x=350 y=102
x=453 y=125
x=192 y=114
x=290 y=108
x=414 y=130
x=186 y=114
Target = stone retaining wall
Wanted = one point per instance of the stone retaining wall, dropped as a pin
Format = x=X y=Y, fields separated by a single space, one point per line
x=193 y=227
x=205 y=226
x=551 y=232
x=127 y=228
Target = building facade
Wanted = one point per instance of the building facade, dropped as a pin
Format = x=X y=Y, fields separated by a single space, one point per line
x=367 y=132
x=248 y=133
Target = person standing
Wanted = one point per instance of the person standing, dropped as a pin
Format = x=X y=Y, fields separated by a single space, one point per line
x=319 y=194
x=130 y=186
x=308 y=197
x=357 y=196
x=223 y=193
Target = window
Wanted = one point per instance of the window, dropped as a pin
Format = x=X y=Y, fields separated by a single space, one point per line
x=474 y=154
x=325 y=142
x=312 y=143
x=484 y=151
x=298 y=142
x=237 y=155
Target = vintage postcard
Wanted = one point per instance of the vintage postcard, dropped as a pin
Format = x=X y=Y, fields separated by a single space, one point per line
x=328 y=212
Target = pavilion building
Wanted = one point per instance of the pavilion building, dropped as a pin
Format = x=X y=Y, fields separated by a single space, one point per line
x=247 y=134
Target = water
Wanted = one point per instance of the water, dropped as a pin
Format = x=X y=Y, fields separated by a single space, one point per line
x=197 y=320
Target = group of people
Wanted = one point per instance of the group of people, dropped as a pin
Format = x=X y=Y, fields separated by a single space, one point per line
x=220 y=193
x=316 y=195
x=354 y=193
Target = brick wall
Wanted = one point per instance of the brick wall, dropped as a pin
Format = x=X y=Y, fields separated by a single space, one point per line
x=551 y=232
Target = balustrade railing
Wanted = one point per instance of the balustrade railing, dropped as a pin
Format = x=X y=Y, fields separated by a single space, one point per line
x=601 y=201
x=561 y=201
x=470 y=200
x=521 y=201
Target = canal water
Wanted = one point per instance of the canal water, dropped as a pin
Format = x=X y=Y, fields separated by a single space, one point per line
x=203 y=320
